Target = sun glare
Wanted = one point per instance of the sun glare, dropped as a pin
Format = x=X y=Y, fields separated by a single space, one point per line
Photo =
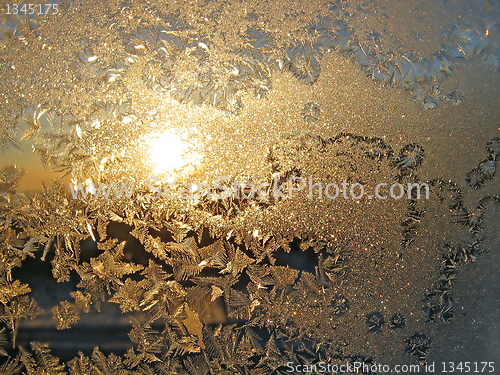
x=172 y=155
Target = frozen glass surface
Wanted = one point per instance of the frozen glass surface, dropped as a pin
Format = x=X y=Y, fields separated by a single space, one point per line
x=249 y=187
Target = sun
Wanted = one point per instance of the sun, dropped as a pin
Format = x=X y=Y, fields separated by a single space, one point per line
x=172 y=155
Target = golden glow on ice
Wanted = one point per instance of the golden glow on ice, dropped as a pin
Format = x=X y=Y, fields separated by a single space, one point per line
x=172 y=155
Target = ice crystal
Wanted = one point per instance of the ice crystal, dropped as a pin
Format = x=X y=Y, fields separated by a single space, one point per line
x=65 y=315
x=16 y=306
x=104 y=272
x=42 y=362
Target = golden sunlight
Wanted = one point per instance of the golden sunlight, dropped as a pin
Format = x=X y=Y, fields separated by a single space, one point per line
x=172 y=155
